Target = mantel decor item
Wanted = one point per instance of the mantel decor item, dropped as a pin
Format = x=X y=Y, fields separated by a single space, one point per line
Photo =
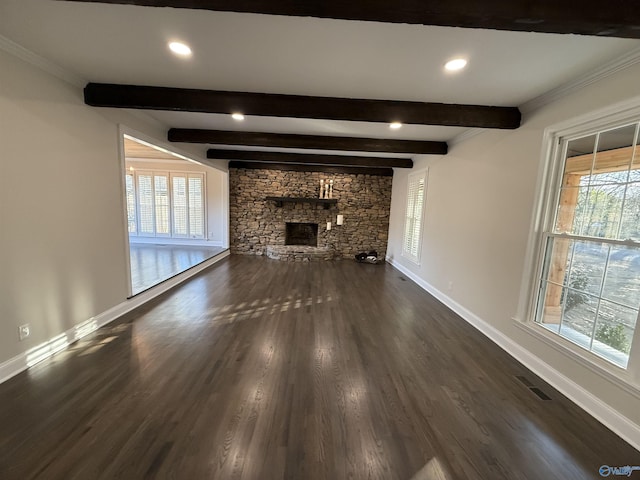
x=326 y=189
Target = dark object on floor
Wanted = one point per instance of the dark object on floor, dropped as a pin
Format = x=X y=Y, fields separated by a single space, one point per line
x=371 y=257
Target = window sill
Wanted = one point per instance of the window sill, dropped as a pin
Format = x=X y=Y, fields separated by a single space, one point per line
x=616 y=375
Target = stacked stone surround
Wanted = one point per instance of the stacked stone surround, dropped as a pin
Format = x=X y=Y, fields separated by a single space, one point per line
x=256 y=223
x=299 y=253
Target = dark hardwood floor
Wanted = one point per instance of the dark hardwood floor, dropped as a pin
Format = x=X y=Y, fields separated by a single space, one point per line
x=152 y=264
x=259 y=369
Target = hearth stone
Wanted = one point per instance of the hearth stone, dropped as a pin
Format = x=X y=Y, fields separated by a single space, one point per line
x=300 y=253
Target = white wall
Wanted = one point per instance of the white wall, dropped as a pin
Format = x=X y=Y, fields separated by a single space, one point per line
x=216 y=195
x=479 y=206
x=62 y=227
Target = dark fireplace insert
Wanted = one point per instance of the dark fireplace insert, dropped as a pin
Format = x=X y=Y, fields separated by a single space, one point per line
x=301 y=234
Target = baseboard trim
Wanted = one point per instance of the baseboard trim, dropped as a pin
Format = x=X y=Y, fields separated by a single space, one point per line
x=612 y=419
x=174 y=242
x=31 y=357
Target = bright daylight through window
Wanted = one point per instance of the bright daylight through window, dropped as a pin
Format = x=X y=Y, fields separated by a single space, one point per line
x=589 y=289
x=416 y=188
x=167 y=204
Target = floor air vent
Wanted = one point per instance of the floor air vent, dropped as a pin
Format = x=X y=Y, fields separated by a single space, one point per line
x=527 y=383
x=540 y=393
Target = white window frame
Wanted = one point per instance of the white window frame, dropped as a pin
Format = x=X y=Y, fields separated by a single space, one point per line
x=548 y=185
x=170 y=175
x=414 y=177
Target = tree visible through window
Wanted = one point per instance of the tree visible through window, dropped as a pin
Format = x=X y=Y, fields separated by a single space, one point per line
x=163 y=204
x=411 y=242
x=590 y=284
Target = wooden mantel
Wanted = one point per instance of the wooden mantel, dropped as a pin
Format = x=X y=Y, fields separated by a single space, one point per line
x=325 y=202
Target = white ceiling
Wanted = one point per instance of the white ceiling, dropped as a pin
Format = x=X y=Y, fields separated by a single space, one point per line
x=305 y=56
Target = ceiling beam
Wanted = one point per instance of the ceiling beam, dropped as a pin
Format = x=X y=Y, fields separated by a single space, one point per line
x=314 y=142
x=614 y=18
x=299 y=106
x=386 y=172
x=309 y=159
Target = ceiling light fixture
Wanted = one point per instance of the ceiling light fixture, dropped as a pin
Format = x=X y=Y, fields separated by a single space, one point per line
x=237 y=116
x=180 y=48
x=455 y=64
x=395 y=125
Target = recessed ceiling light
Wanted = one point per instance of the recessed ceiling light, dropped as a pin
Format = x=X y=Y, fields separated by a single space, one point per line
x=180 y=48
x=237 y=116
x=395 y=125
x=455 y=64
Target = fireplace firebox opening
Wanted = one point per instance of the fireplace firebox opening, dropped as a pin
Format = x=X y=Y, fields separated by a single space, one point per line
x=301 y=234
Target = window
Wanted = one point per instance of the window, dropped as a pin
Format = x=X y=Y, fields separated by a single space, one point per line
x=179 y=186
x=131 y=203
x=165 y=204
x=196 y=214
x=589 y=281
x=411 y=242
x=145 y=205
x=161 y=204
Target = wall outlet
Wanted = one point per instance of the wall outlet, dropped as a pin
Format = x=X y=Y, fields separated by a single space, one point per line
x=450 y=286
x=24 y=331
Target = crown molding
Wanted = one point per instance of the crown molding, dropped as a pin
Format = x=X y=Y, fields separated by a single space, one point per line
x=466 y=135
x=38 y=61
x=63 y=74
x=616 y=65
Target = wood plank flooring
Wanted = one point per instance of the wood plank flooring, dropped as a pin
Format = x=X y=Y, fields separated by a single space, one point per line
x=259 y=369
x=152 y=264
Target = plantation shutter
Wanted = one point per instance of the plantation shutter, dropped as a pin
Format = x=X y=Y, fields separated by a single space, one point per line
x=180 y=214
x=131 y=204
x=145 y=202
x=162 y=204
x=416 y=187
x=166 y=204
x=196 y=210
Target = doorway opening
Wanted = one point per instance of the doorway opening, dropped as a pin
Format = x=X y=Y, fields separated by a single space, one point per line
x=175 y=211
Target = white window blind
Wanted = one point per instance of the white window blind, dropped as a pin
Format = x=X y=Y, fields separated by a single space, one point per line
x=416 y=189
x=145 y=204
x=131 y=204
x=180 y=219
x=196 y=201
x=164 y=204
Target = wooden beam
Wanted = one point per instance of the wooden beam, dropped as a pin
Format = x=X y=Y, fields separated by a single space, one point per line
x=299 y=106
x=385 y=172
x=309 y=159
x=316 y=142
x=614 y=18
x=559 y=260
x=614 y=160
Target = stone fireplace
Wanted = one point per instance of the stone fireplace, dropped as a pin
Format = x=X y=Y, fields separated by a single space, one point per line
x=301 y=234
x=258 y=221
